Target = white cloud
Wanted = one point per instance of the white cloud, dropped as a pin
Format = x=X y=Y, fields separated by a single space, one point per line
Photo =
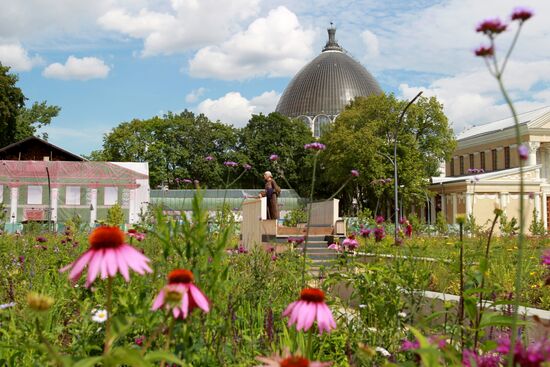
x=473 y=97
x=194 y=95
x=276 y=45
x=371 y=44
x=235 y=109
x=79 y=69
x=188 y=24
x=15 y=56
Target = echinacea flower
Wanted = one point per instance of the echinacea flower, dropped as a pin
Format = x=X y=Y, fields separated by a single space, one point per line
x=181 y=295
x=311 y=307
x=379 y=219
x=41 y=239
x=350 y=242
x=99 y=316
x=521 y=14
x=470 y=358
x=491 y=27
x=288 y=360
x=296 y=240
x=335 y=246
x=135 y=234
x=187 y=181
x=379 y=234
x=273 y=157
x=108 y=254
x=365 y=232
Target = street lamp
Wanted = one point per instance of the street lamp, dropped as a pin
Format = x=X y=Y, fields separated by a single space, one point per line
x=395 y=183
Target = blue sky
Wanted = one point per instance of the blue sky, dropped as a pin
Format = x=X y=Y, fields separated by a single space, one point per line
x=109 y=61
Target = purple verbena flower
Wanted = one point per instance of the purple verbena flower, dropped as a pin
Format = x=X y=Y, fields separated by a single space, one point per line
x=230 y=164
x=355 y=173
x=315 y=146
x=247 y=166
x=379 y=219
x=521 y=14
x=41 y=239
x=187 y=181
x=491 y=27
x=208 y=158
x=483 y=51
x=365 y=232
x=523 y=152
x=379 y=234
x=273 y=157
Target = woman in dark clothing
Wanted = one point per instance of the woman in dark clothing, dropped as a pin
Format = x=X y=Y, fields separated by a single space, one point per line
x=272 y=190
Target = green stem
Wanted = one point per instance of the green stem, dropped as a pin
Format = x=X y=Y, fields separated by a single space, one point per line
x=108 y=342
x=461 y=302
x=341 y=188
x=309 y=351
x=51 y=351
x=309 y=220
x=483 y=272
x=168 y=337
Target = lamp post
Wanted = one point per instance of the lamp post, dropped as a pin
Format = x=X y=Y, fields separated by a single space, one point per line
x=395 y=183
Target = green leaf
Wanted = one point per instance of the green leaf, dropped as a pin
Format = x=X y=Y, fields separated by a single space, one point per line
x=88 y=362
x=161 y=355
x=495 y=319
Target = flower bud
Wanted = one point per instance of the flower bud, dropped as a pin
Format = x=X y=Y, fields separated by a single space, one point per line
x=39 y=302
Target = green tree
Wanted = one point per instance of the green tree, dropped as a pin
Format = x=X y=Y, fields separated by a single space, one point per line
x=12 y=100
x=16 y=121
x=175 y=145
x=265 y=135
x=362 y=138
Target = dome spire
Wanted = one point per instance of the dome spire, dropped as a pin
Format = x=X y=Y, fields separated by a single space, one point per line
x=331 y=44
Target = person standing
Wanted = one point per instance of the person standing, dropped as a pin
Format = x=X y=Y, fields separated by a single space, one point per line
x=271 y=192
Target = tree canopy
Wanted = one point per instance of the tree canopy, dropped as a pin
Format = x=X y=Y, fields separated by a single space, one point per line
x=362 y=138
x=16 y=121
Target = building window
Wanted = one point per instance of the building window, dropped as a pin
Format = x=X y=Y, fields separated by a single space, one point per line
x=482 y=160
x=506 y=157
x=461 y=165
x=471 y=161
x=494 y=159
x=72 y=196
x=452 y=166
x=34 y=195
x=111 y=196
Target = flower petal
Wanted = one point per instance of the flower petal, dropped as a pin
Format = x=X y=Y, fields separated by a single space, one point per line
x=94 y=267
x=199 y=297
x=122 y=265
x=79 y=265
x=111 y=261
x=159 y=301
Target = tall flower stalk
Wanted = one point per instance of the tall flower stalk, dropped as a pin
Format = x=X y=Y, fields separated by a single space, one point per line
x=492 y=28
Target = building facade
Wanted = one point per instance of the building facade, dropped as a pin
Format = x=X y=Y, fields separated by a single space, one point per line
x=484 y=172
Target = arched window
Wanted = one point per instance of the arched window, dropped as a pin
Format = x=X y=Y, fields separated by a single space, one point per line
x=318 y=124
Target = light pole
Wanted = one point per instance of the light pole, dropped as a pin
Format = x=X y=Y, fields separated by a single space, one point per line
x=395 y=183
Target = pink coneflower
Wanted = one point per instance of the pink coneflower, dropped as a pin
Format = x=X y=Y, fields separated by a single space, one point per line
x=181 y=295
x=288 y=360
x=350 y=242
x=521 y=14
x=365 y=232
x=491 y=26
x=108 y=254
x=311 y=307
x=379 y=219
x=187 y=181
x=135 y=234
x=335 y=246
x=41 y=239
x=273 y=157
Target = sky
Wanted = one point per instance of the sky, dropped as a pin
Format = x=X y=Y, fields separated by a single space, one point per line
x=105 y=62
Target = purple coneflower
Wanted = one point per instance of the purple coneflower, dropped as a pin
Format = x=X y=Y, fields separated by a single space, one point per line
x=108 y=254
x=180 y=285
x=311 y=307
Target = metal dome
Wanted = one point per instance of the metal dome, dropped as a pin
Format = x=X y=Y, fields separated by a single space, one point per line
x=327 y=84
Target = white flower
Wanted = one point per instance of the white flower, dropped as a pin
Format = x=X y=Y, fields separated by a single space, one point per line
x=402 y=314
x=7 y=305
x=372 y=329
x=99 y=315
x=383 y=351
x=362 y=306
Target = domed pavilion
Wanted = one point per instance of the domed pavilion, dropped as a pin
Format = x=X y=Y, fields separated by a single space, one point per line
x=322 y=88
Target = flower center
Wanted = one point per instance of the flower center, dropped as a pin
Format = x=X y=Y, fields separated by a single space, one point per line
x=106 y=237
x=294 y=362
x=312 y=295
x=180 y=276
